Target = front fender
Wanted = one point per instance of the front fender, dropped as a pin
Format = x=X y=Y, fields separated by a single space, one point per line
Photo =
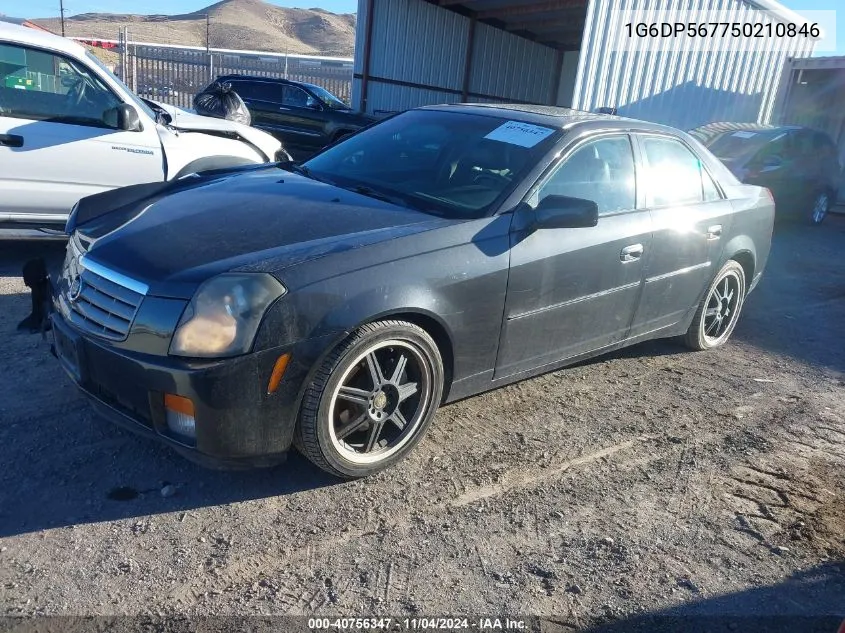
x=454 y=276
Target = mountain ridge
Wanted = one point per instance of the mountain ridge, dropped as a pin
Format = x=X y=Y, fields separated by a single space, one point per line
x=233 y=24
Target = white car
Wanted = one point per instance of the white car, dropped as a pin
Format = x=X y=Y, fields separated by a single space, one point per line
x=70 y=128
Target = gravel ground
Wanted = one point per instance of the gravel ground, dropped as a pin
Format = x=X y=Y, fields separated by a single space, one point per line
x=650 y=481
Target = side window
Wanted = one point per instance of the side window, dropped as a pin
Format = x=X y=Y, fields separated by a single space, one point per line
x=244 y=89
x=297 y=98
x=779 y=148
x=805 y=145
x=254 y=90
x=673 y=173
x=42 y=86
x=601 y=171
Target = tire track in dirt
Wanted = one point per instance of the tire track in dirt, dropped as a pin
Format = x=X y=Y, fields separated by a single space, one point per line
x=239 y=570
x=777 y=502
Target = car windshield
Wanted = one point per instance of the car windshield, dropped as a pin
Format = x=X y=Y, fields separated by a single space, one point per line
x=135 y=98
x=328 y=98
x=731 y=145
x=453 y=164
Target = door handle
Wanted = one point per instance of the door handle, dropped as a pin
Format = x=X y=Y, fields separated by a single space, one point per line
x=714 y=232
x=11 y=140
x=631 y=253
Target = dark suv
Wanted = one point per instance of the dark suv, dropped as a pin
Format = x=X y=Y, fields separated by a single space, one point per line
x=303 y=116
x=798 y=165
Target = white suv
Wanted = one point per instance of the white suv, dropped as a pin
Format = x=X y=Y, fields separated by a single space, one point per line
x=69 y=128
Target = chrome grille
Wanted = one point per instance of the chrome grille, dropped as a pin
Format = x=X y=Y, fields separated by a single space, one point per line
x=96 y=299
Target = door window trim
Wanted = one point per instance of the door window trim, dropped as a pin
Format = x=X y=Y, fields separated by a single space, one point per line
x=642 y=160
x=77 y=62
x=566 y=153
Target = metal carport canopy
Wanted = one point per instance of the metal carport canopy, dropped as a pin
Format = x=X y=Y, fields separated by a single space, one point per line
x=558 y=24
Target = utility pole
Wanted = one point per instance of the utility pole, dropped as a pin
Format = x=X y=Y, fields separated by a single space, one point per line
x=208 y=47
x=62 y=14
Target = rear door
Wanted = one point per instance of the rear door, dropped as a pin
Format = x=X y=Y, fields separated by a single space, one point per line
x=262 y=99
x=690 y=217
x=572 y=291
x=58 y=141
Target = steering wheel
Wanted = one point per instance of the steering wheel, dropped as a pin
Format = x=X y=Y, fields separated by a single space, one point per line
x=492 y=179
x=76 y=95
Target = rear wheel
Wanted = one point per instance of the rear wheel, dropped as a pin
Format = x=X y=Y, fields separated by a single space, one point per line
x=372 y=400
x=821 y=205
x=719 y=311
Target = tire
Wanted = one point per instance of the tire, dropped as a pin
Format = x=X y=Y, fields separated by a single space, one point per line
x=348 y=424
x=708 y=329
x=820 y=207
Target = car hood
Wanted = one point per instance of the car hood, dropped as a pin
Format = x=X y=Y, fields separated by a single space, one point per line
x=190 y=121
x=263 y=220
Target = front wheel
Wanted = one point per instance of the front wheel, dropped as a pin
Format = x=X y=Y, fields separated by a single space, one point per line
x=821 y=205
x=372 y=400
x=719 y=311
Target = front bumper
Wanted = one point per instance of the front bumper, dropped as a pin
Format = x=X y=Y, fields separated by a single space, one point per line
x=237 y=422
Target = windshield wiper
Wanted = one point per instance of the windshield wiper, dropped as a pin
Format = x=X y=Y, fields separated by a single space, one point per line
x=76 y=120
x=364 y=190
x=302 y=170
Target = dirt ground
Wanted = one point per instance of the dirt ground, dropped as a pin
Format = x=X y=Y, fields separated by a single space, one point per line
x=651 y=481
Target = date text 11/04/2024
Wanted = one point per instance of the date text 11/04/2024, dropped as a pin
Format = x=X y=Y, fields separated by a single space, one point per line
x=417 y=624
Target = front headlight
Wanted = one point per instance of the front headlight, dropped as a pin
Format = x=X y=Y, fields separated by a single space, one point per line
x=224 y=315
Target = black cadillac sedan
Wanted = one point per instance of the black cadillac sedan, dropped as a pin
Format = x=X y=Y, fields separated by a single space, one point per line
x=449 y=250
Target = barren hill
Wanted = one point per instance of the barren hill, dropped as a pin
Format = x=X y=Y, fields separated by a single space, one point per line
x=244 y=24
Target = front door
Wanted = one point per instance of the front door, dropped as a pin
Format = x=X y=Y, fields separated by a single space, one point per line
x=58 y=137
x=689 y=219
x=572 y=291
x=303 y=115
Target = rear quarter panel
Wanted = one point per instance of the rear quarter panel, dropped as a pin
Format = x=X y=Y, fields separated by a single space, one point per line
x=751 y=229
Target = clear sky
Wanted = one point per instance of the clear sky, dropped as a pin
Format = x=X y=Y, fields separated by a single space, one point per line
x=50 y=8
x=800 y=6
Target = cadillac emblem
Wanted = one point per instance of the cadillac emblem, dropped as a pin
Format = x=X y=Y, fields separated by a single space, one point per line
x=74 y=289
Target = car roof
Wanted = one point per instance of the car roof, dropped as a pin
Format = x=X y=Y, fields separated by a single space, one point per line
x=41 y=39
x=277 y=80
x=553 y=116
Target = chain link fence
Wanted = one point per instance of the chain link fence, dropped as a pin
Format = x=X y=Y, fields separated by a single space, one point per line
x=174 y=74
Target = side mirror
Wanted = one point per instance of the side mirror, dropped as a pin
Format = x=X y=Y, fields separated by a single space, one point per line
x=312 y=104
x=123 y=117
x=563 y=212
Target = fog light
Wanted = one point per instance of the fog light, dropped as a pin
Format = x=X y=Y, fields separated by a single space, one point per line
x=180 y=415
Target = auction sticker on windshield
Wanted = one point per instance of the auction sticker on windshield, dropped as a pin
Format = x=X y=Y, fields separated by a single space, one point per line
x=518 y=133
